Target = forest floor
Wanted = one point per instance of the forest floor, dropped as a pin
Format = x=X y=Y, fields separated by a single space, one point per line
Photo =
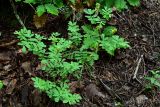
x=110 y=84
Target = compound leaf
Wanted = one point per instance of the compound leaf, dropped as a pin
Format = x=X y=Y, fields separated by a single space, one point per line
x=120 y=4
x=134 y=2
x=51 y=9
x=29 y=1
x=40 y=10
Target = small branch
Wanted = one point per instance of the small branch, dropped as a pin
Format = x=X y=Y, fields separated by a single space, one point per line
x=8 y=43
x=17 y=16
x=110 y=91
x=137 y=68
x=32 y=7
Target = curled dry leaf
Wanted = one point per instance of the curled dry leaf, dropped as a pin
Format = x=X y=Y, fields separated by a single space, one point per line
x=39 y=22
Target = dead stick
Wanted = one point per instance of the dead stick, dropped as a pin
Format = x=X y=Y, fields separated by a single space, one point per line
x=110 y=91
x=136 y=70
x=17 y=16
x=9 y=43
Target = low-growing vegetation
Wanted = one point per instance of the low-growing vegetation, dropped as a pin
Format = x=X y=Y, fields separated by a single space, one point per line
x=63 y=57
x=68 y=56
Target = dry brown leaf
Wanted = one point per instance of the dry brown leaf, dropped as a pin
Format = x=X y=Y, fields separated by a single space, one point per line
x=11 y=86
x=76 y=85
x=19 y=51
x=37 y=99
x=39 y=67
x=39 y=22
x=90 y=3
x=78 y=6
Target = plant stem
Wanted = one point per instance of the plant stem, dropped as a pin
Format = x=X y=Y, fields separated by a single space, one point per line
x=17 y=16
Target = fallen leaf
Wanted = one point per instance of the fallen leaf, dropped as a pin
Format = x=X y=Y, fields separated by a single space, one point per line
x=10 y=86
x=37 y=98
x=39 y=67
x=39 y=22
x=90 y=3
x=76 y=85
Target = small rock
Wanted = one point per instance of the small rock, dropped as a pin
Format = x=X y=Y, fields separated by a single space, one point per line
x=7 y=67
x=141 y=100
x=27 y=67
x=92 y=91
x=144 y=38
x=4 y=56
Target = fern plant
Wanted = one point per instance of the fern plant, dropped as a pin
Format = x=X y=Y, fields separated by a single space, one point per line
x=105 y=38
x=1 y=84
x=56 y=92
x=119 y=4
x=31 y=42
x=68 y=56
x=48 y=6
x=53 y=63
x=153 y=79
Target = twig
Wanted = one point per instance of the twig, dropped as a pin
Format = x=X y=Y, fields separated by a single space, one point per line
x=136 y=70
x=156 y=46
x=17 y=16
x=9 y=43
x=32 y=7
x=110 y=91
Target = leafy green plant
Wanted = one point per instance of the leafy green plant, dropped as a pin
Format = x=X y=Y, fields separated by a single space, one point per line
x=52 y=62
x=1 y=84
x=105 y=38
x=119 y=4
x=154 y=79
x=30 y=41
x=68 y=56
x=49 y=6
x=56 y=92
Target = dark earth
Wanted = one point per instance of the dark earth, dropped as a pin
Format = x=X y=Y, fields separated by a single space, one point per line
x=113 y=82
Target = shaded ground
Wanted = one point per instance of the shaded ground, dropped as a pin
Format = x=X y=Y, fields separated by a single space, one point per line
x=111 y=81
